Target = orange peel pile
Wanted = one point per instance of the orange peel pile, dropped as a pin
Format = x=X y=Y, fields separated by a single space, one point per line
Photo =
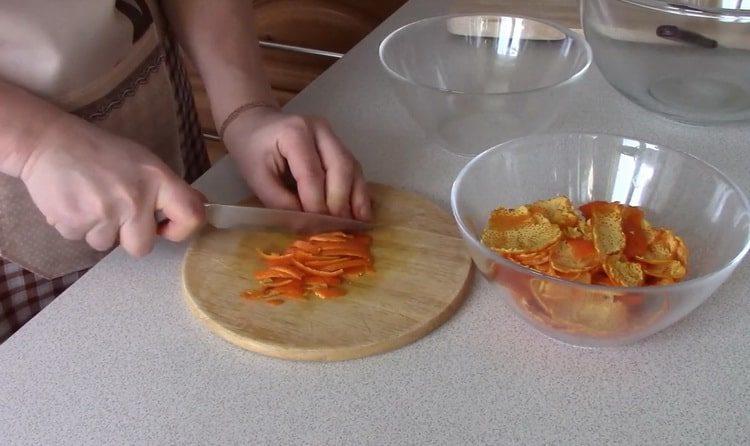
x=604 y=243
x=317 y=265
x=600 y=243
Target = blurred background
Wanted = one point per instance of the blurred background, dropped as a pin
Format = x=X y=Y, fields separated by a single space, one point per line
x=302 y=38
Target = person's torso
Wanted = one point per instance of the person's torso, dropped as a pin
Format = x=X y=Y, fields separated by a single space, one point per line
x=109 y=62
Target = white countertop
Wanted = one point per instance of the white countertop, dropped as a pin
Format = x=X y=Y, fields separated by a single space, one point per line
x=118 y=358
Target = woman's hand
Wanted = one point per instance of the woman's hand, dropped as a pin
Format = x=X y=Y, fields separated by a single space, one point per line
x=268 y=144
x=221 y=41
x=96 y=186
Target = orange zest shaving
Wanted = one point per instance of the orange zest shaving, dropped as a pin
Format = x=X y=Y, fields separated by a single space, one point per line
x=317 y=272
x=313 y=266
x=280 y=282
x=348 y=252
x=345 y=264
x=304 y=256
x=314 y=263
x=289 y=271
x=307 y=246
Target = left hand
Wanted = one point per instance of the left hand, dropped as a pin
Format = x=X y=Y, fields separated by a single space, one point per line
x=268 y=144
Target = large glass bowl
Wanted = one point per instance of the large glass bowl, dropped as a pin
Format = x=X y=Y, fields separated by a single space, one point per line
x=676 y=190
x=471 y=81
x=686 y=59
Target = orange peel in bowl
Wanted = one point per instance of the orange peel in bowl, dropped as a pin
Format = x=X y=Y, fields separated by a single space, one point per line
x=581 y=230
x=558 y=210
x=623 y=272
x=519 y=231
x=531 y=259
x=606 y=226
x=574 y=256
x=663 y=249
x=606 y=244
x=681 y=251
x=673 y=270
x=637 y=231
x=570 y=310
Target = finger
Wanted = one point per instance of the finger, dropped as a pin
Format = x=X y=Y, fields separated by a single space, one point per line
x=137 y=233
x=339 y=168
x=183 y=207
x=298 y=148
x=272 y=192
x=77 y=232
x=361 y=204
x=102 y=236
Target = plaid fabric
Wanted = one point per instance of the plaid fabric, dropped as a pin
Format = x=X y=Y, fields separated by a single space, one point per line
x=23 y=294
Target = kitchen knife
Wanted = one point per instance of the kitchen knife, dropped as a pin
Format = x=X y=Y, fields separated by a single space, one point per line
x=225 y=216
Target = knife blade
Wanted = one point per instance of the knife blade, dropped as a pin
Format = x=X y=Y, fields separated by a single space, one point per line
x=227 y=216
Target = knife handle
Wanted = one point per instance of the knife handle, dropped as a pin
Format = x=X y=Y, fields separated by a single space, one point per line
x=675 y=33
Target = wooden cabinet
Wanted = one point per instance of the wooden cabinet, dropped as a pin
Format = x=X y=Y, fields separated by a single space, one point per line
x=330 y=26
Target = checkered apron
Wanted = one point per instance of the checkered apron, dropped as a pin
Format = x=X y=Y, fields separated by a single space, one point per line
x=151 y=104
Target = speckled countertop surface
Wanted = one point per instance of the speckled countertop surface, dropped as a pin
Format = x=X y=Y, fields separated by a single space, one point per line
x=119 y=359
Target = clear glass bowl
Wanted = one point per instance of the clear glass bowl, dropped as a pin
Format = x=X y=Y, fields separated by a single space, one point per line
x=688 y=64
x=674 y=189
x=471 y=81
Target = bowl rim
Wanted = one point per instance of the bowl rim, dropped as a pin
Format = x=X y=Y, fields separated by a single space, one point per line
x=722 y=14
x=579 y=38
x=477 y=244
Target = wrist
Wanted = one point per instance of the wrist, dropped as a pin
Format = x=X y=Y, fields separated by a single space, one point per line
x=26 y=121
x=246 y=133
x=243 y=111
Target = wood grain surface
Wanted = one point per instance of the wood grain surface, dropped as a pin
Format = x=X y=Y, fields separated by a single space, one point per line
x=421 y=273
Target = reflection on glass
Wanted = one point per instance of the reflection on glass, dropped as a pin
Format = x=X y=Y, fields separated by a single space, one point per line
x=623 y=177
x=642 y=178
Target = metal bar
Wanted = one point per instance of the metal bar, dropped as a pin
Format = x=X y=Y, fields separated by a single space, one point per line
x=211 y=136
x=300 y=49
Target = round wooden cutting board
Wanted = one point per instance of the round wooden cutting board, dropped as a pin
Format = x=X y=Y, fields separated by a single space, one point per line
x=421 y=272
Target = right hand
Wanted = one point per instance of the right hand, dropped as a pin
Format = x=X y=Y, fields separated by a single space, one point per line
x=93 y=185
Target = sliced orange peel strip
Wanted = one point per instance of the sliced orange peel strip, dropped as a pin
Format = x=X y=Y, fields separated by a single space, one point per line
x=314 y=266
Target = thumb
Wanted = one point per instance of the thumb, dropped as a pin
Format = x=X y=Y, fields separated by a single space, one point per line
x=182 y=206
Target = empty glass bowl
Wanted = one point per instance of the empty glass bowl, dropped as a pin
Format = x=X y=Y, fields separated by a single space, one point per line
x=686 y=59
x=472 y=81
x=674 y=189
